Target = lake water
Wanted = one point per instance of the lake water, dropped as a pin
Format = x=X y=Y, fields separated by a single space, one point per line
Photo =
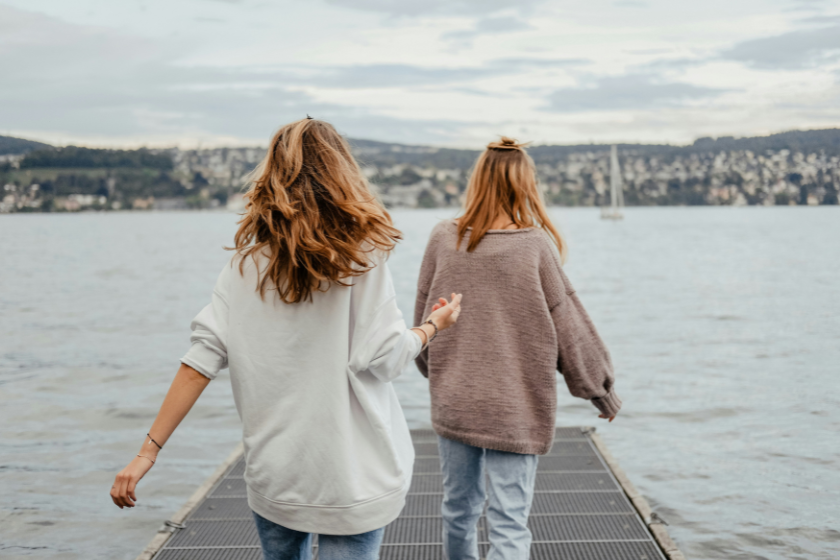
x=723 y=323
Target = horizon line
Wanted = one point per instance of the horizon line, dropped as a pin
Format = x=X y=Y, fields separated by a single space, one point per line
x=199 y=145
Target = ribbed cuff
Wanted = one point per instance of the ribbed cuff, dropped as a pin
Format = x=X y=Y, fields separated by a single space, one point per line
x=203 y=360
x=609 y=404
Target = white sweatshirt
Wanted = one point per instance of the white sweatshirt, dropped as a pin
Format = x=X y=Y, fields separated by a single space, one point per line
x=327 y=447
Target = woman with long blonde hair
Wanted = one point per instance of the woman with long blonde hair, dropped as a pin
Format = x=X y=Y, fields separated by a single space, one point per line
x=493 y=386
x=305 y=317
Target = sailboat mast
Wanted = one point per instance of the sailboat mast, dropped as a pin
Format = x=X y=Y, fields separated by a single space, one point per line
x=615 y=180
x=616 y=192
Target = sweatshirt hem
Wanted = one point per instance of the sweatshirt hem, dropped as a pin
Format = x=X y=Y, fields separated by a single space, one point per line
x=352 y=519
x=495 y=443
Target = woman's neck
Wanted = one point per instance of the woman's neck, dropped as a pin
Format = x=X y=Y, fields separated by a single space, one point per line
x=503 y=222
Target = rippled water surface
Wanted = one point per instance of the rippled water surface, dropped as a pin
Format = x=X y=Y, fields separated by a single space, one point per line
x=723 y=323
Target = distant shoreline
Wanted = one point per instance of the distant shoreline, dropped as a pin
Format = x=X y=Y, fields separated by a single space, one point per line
x=795 y=168
x=593 y=209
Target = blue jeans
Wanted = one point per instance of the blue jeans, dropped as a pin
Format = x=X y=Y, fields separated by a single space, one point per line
x=510 y=481
x=280 y=543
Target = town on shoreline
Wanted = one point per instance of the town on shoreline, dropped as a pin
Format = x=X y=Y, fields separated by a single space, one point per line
x=791 y=168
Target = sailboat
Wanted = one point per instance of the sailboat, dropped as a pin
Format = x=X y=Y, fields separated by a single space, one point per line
x=613 y=211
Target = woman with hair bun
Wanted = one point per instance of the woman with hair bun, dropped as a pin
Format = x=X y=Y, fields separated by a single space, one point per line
x=493 y=386
x=305 y=316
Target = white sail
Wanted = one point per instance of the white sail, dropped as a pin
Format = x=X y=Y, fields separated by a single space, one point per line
x=613 y=212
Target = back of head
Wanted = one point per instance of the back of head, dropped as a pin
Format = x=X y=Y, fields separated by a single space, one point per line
x=310 y=211
x=504 y=183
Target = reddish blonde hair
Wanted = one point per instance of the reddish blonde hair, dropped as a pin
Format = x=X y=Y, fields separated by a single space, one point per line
x=504 y=183
x=309 y=208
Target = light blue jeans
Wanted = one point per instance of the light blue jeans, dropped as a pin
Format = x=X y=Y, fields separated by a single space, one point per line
x=510 y=485
x=280 y=543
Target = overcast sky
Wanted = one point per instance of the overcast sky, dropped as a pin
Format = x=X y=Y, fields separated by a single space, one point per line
x=442 y=72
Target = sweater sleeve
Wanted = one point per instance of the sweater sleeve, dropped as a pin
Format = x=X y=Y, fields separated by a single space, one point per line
x=582 y=357
x=421 y=303
x=381 y=344
x=208 y=353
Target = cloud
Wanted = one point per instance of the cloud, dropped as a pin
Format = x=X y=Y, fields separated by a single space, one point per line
x=501 y=25
x=160 y=79
x=89 y=82
x=93 y=82
x=528 y=63
x=790 y=51
x=628 y=92
x=437 y=7
x=669 y=64
x=808 y=5
x=174 y=114
x=394 y=75
x=488 y=26
x=819 y=20
x=406 y=75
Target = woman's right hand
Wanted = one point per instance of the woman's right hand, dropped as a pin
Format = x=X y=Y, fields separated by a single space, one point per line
x=445 y=313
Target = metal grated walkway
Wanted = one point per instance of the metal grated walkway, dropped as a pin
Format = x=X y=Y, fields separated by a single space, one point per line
x=584 y=509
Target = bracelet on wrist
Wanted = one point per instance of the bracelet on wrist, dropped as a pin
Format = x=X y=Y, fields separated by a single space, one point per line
x=151 y=440
x=430 y=322
x=425 y=339
x=145 y=457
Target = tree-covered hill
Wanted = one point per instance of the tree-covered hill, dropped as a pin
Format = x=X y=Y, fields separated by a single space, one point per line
x=14 y=146
x=75 y=157
x=807 y=141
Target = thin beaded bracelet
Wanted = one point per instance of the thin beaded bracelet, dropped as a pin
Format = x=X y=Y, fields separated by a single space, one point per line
x=149 y=458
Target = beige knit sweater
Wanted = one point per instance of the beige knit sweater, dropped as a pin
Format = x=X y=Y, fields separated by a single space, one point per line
x=493 y=376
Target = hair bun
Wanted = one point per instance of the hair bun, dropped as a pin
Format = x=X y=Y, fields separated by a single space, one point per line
x=505 y=143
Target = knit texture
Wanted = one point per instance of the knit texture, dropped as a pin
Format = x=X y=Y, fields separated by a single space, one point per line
x=493 y=376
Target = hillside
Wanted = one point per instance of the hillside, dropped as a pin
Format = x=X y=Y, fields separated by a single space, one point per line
x=72 y=156
x=15 y=146
x=808 y=141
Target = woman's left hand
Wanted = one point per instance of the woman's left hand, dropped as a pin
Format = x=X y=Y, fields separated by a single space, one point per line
x=122 y=492
x=184 y=391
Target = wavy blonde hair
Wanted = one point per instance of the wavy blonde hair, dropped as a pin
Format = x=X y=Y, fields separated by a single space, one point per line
x=309 y=208
x=504 y=182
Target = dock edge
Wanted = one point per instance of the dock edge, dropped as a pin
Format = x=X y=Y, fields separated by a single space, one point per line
x=168 y=528
x=654 y=524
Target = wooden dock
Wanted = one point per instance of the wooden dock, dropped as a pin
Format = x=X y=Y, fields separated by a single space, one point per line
x=584 y=508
